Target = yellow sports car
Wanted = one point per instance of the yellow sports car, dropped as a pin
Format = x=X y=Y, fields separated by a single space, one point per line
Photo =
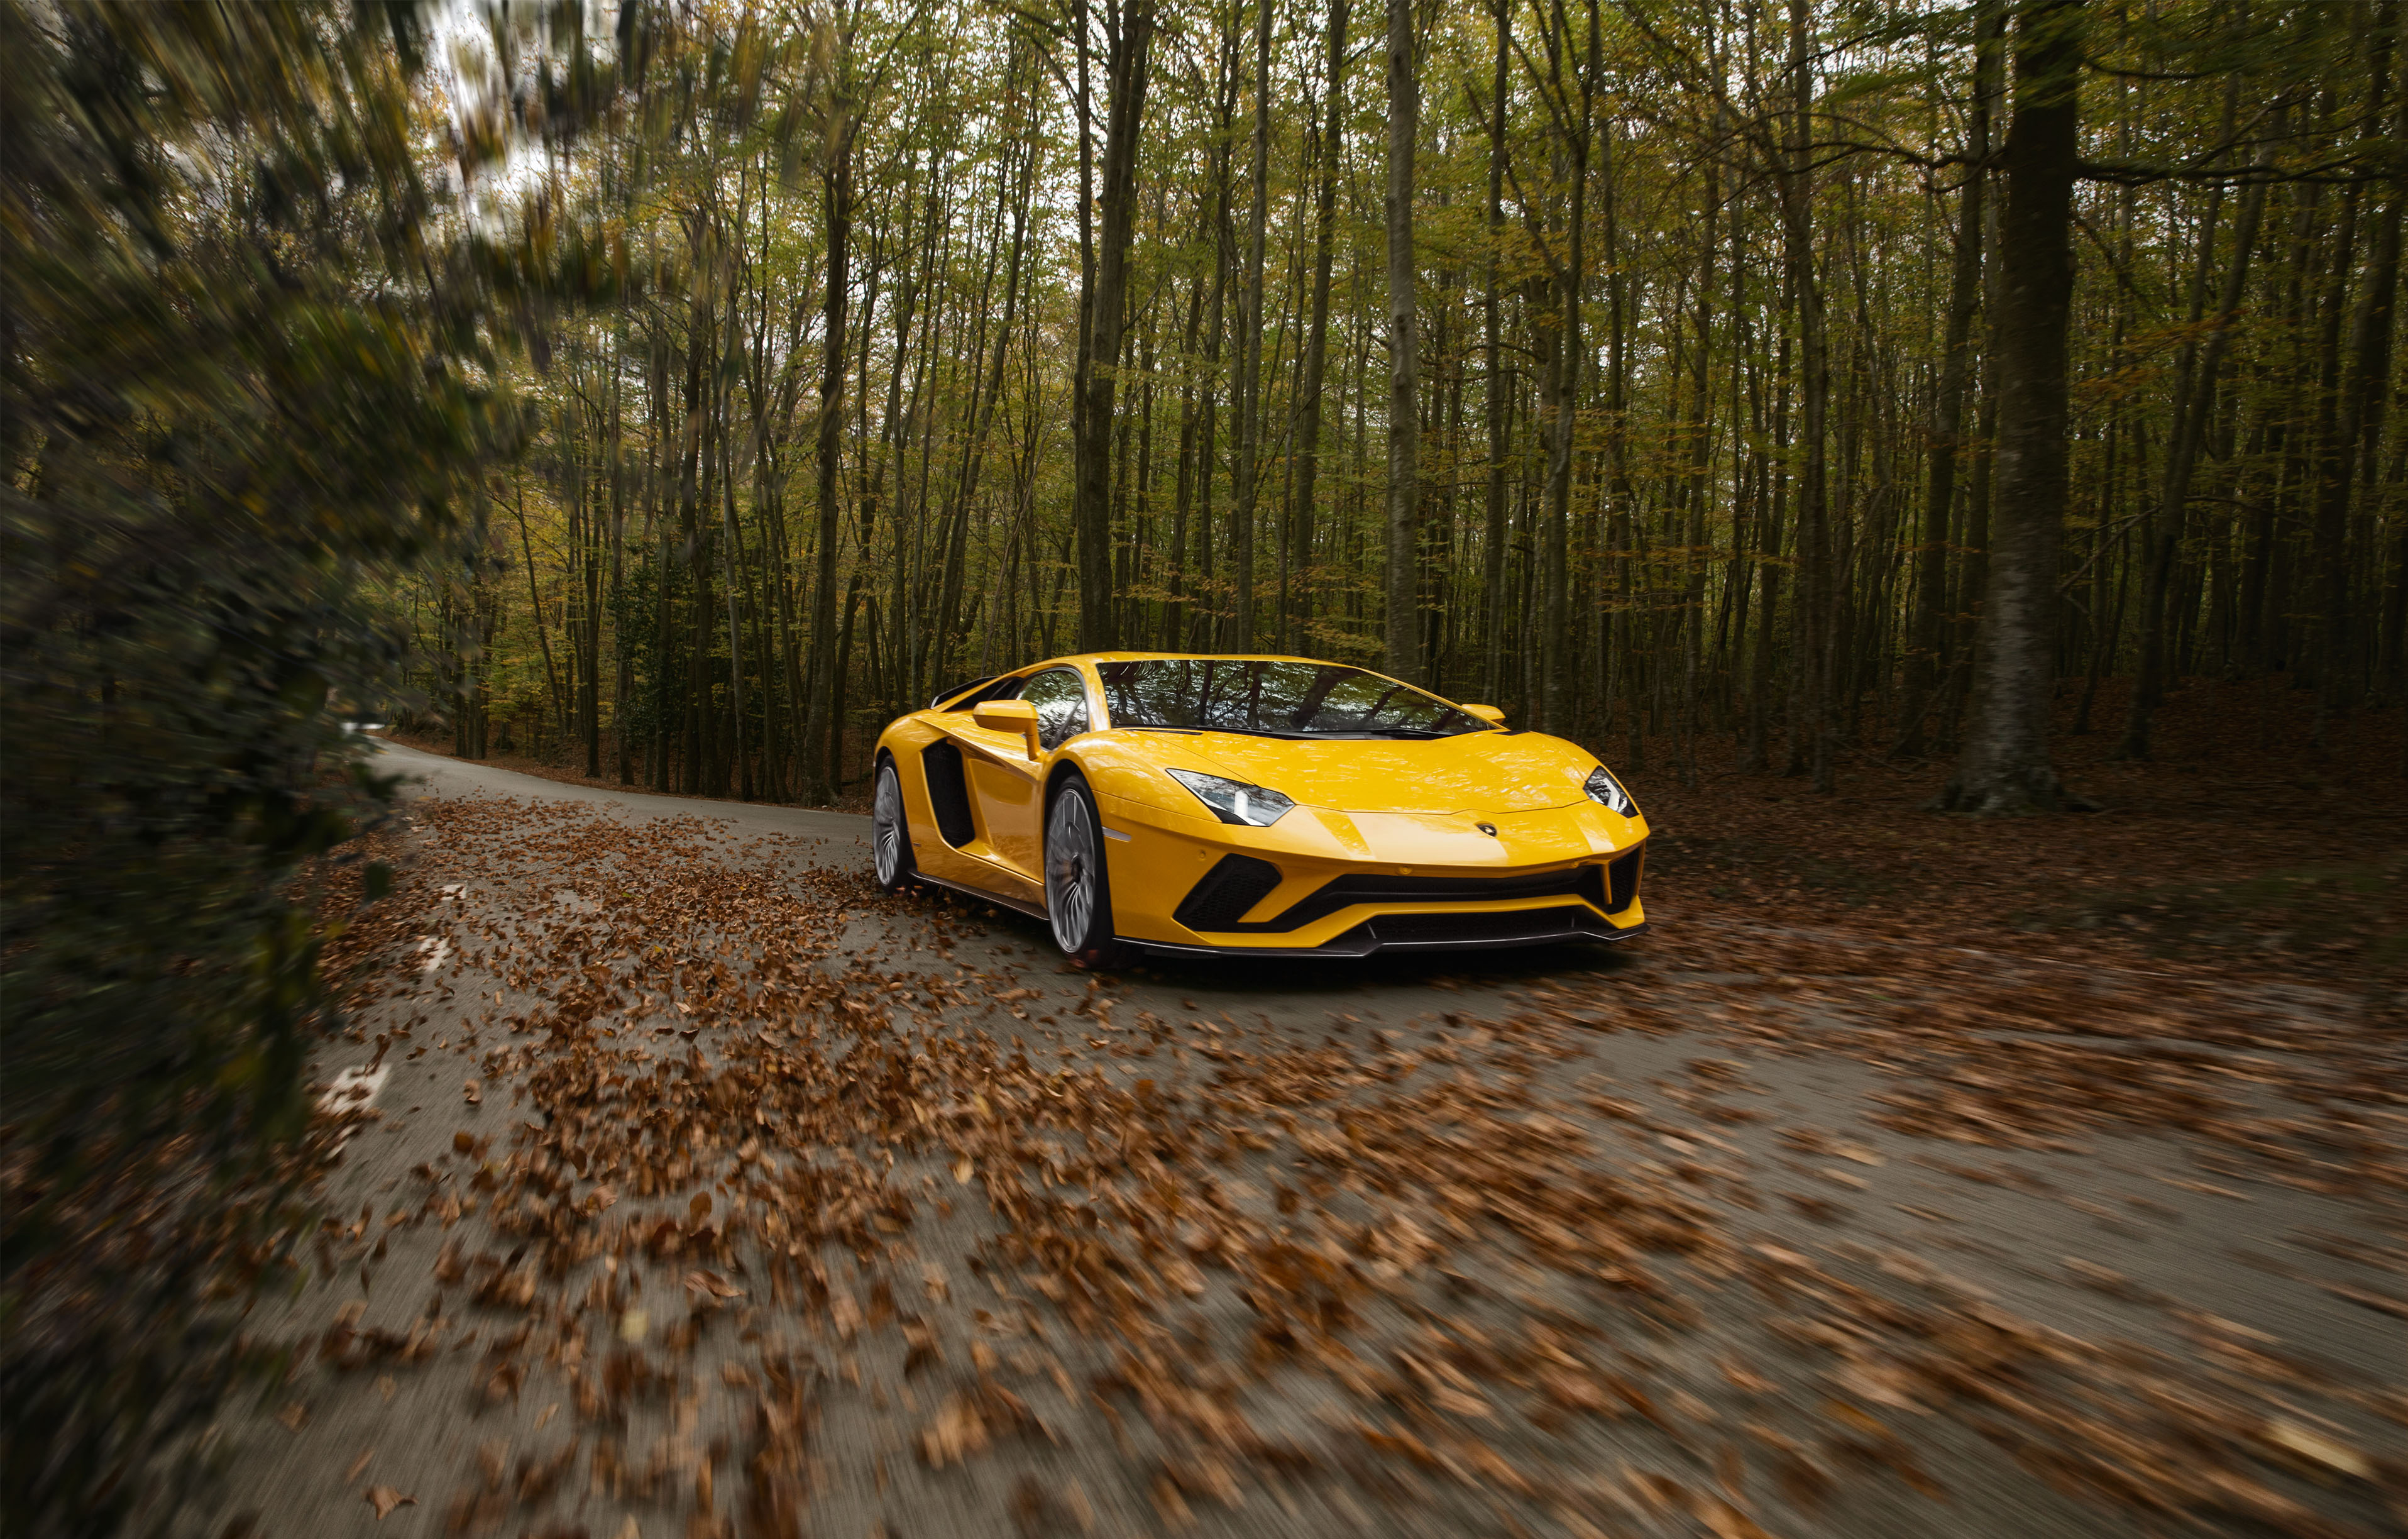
x=1252 y=806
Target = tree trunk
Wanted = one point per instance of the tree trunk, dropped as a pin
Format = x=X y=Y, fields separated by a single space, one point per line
x=1404 y=356
x=1810 y=606
x=2004 y=766
x=1492 y=365
x=1316 y=342
x=819 y=722
x=1246 y=495
x=1125 y=80
x=1554 y=663
x=1927 y=660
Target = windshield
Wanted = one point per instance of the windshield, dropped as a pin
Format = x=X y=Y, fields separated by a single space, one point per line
x=1274 y=699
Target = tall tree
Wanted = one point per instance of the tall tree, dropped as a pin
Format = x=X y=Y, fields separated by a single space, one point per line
x=1403 y=659
x=1495 y=387
x=820 y=729
x=2005 y=766
x=1129 y=38
x=1331 y=141
x=1926 y=656
x=1250 y=347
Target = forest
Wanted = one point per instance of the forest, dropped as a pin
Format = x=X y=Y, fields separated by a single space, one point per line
x=1821 y=411
x=1696 y=380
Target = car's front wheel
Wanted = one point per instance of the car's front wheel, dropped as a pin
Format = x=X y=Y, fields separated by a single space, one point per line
x=1078 y=887
x=889 y=832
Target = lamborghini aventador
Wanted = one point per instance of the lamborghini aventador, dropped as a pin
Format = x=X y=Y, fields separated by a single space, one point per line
x=1254 y=806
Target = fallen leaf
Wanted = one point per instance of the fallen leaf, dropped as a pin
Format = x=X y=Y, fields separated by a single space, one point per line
x=711 y=1286
x=1459 y=1402
x=2309 y=1443
x=385 y=1498
x=1728 y=1521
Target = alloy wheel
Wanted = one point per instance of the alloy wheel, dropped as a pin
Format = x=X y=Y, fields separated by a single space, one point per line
x=886 y=827
x=1069 y=872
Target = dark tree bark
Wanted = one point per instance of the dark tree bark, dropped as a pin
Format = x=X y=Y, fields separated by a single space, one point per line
x=1555 y=661
x=1130 y=39
x=1247 y=491
x=2006 y=766
x=1404 y=353
x=820 y=722
x=1810 y=663
x=1316 y=343
x=1926 y=660
x=1492 y=365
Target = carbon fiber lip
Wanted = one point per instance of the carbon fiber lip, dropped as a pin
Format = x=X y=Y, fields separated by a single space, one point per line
x=1334 y=952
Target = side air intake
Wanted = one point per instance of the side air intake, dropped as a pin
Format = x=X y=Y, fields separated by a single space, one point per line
x=948 y=793
x=1221 y=899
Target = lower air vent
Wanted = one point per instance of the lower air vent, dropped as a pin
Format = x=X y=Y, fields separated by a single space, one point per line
x=1228 y=891
x=948 y=793
x=1587 y=882
x=1622 y=880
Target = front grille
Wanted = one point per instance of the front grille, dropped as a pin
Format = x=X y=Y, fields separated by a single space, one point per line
x=1217 y=902
x=1232 y=887
x=1586 y=881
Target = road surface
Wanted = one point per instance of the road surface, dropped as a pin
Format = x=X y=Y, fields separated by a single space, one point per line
x=828 y=1212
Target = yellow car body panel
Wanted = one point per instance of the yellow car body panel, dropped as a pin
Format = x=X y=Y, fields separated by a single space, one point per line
x=1483 y=838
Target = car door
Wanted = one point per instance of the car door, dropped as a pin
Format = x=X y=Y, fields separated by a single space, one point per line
x=1004 y=779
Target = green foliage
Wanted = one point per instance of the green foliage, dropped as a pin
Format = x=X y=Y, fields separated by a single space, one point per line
x=241 y=386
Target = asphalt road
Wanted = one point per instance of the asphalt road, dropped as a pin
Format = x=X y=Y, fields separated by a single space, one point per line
x=1785 y=1371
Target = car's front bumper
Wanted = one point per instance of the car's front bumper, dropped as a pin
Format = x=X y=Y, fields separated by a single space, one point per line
x=1319 y=883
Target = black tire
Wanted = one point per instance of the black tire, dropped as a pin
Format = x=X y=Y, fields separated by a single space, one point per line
x=890 y=833
x=1078 y=882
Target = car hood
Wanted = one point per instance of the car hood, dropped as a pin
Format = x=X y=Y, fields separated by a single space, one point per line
x=1474 y=773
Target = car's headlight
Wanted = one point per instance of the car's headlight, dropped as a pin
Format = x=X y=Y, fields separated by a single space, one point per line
x=1608 y=792
x=1234 y=801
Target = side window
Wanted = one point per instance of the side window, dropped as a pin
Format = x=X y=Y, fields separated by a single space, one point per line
x=1060 y=697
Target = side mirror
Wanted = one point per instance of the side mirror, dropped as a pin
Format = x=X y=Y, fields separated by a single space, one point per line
x=1488 y=713
x=1018 y=716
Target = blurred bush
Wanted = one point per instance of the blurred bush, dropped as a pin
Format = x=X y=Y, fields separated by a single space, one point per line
x=243 y=379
